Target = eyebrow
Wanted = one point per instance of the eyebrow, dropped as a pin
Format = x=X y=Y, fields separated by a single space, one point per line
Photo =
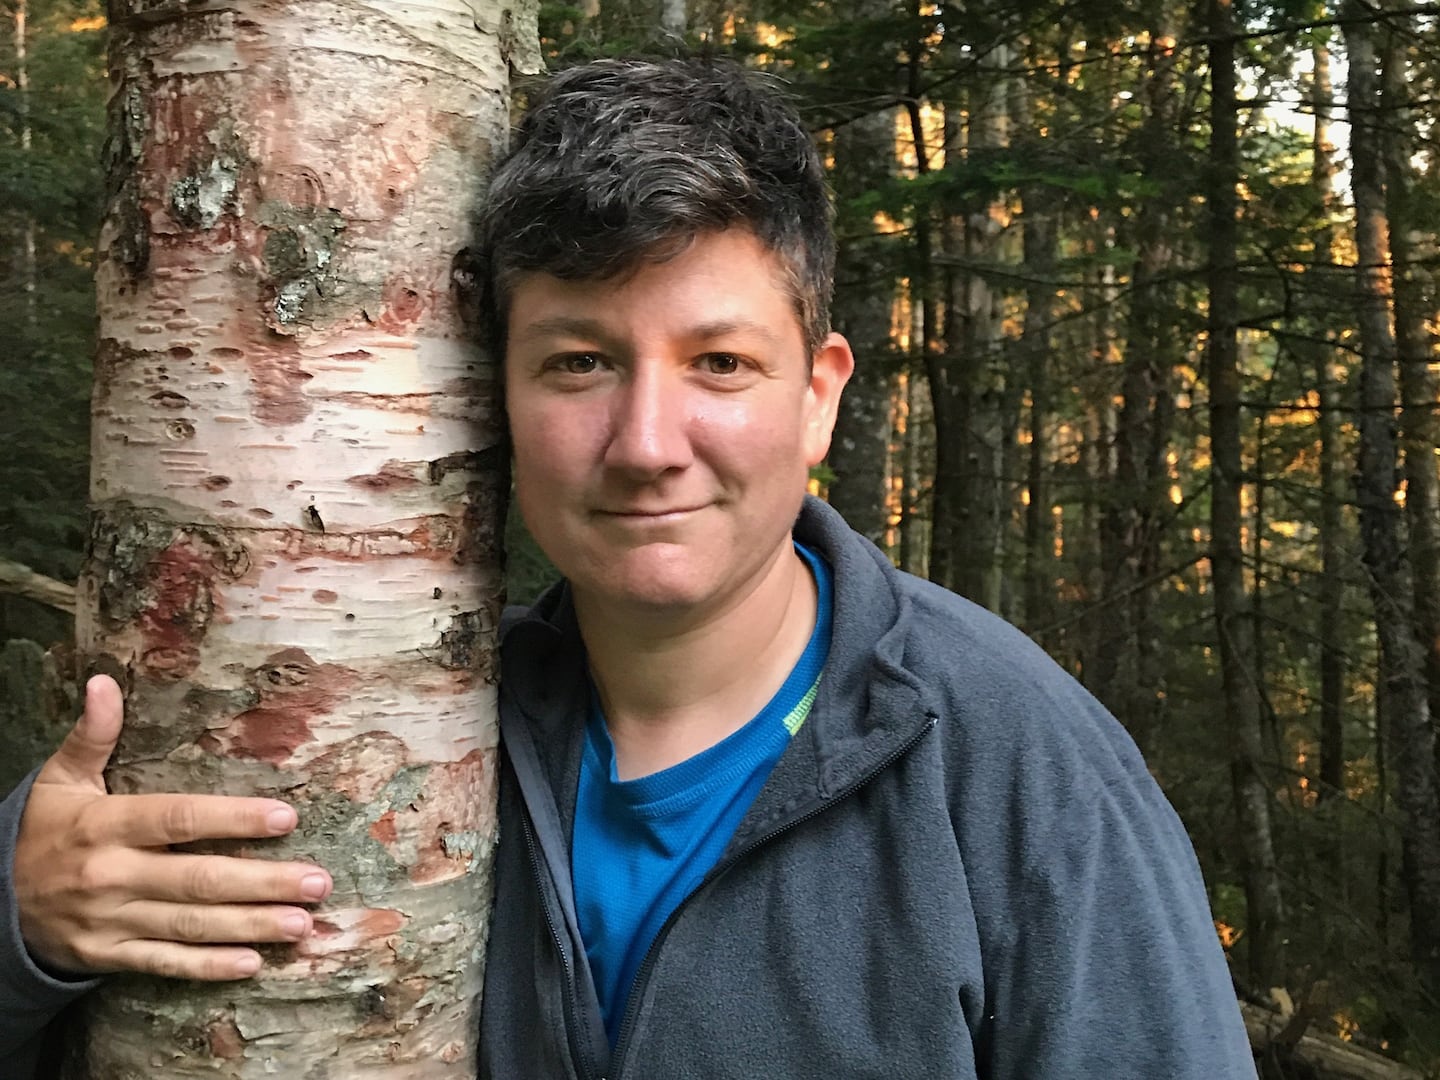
x=720 y=327
x=562 y=324
x=553 y=325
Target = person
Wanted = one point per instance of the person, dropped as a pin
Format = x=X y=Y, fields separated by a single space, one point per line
x=768 y=806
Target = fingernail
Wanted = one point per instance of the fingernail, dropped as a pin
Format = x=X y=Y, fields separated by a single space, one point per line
x=280 y=820
x=314 y=886
x=295 y=925
x=247 y=965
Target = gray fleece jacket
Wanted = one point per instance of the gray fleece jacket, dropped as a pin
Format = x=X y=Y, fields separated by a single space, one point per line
x=960 y=868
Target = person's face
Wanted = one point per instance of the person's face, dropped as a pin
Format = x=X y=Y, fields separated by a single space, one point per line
x=664 y=424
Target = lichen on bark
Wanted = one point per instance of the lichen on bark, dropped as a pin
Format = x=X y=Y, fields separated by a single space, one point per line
x=121 y=157
x=126 y=546
x=205 y=194
x=302 y=265
x=462 y=641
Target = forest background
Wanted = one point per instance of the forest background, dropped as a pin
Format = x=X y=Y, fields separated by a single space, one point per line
x=1145 y=304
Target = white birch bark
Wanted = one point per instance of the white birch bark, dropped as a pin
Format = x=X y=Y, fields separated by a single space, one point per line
x=297 y=497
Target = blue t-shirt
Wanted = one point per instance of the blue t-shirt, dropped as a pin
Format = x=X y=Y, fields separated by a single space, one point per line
x=641 y=846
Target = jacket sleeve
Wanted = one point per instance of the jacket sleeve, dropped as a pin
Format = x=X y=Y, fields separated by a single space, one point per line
x=1112 y=967
x=29 y=997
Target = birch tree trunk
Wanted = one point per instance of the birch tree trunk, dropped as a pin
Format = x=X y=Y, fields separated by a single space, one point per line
x=297 y=496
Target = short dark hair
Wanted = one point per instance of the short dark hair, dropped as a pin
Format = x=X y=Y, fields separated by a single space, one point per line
x=621 y=162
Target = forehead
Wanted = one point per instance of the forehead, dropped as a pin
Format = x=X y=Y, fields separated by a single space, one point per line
x=721 y=282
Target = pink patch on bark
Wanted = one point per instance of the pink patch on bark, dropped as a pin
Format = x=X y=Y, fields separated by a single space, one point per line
x=225 y=1040
x=323 y=928
x=392 y=475
x=277 y=381
x=405 y=305
x=294 y=691
x=451 y=804
x=379 y=922
x=350 y=930
x=268 y=734
x=174 y=624
x=383 y=828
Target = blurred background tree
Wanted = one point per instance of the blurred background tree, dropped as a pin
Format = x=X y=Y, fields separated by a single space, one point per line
x=52 y=97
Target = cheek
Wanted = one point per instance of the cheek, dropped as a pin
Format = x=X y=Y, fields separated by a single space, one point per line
x=775 y=426
x=764 y=446
x=549 y=442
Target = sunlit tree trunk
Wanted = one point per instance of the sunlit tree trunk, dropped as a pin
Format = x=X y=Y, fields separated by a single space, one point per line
x=1412 y=253
x=297 y=495
x=1040 y=221
x=1411 y=739
x=1037 y=344
x=913 y=528
x=969 y=384
x=1264 y=920
x=1332 y=483
x=980 y=348
x=28 y=266
x=1095 y=644
x=864 y=151
x=1130 y=678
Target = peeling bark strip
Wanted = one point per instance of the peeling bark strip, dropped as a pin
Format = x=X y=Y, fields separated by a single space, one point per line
x=297 y=485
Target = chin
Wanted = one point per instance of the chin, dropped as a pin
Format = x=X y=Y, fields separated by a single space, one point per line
x=653 y=592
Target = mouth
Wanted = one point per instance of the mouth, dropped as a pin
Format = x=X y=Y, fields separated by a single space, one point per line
x=658 y=514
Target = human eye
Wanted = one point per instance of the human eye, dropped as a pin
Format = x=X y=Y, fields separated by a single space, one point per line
x=720 y=363
x=575 y=363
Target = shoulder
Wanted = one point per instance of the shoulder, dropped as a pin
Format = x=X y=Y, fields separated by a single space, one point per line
x=989 y=676
x=1032 y=757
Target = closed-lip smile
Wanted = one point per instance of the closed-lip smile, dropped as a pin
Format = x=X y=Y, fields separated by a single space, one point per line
x=643 y=512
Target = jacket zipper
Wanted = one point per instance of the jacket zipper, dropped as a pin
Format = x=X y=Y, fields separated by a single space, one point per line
x=632 y=1006
x=572 y=1003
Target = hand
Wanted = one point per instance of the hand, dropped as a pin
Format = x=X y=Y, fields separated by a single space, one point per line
x=99 y=890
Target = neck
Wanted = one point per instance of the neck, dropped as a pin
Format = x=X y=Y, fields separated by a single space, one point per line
x=675 y=684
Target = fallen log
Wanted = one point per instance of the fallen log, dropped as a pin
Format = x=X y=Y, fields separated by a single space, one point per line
x=19 y=580
x=1274 y=1034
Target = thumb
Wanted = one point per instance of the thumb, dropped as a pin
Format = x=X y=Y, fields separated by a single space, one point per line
x=83 y=755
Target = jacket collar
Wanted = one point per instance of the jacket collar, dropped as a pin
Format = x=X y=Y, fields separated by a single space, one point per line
x=869 y=705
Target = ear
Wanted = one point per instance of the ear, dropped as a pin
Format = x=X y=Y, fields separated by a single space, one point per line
x=829 y=372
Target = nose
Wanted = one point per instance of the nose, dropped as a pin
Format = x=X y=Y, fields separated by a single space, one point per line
x=648 y=434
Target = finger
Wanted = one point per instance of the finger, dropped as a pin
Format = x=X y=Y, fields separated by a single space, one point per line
x=158 y=820
x=82 y=757
x=204 y=923
x=222 y=879
x=211 y=963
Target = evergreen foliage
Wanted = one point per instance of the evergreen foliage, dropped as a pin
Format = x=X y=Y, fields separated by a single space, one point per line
x=50 y=196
